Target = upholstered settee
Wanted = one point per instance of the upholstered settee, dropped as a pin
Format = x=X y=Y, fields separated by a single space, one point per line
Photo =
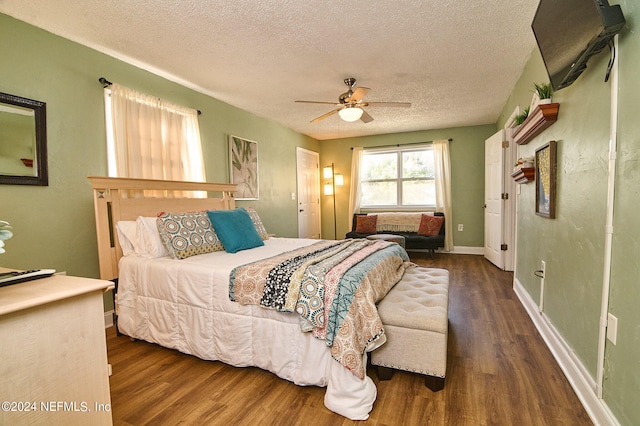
x=422 y=231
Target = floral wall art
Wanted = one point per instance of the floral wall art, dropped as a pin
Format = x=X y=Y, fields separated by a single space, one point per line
x=243 y=156
x=546 y=180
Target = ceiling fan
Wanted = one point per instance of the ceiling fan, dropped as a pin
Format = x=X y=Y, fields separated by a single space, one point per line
x=350 y=104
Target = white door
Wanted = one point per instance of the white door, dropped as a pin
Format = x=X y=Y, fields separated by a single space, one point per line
x=308 y=176
x=493 y=204
x=509 y=213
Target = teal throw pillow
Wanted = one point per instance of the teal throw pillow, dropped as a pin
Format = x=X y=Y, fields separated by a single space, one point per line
x=235 y=229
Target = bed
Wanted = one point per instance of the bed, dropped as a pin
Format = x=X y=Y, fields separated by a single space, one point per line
x=237 y=307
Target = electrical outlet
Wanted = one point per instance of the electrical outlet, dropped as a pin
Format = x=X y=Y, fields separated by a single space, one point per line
x=612 y=328
x=460 y=227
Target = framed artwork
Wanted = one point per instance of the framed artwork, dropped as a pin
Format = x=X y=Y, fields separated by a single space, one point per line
x=546 y=180
x=243 y=166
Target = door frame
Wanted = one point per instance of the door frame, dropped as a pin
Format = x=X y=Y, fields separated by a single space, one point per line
x=299 y=191
x=510 y=190
x=494 y=190
x=510 y=233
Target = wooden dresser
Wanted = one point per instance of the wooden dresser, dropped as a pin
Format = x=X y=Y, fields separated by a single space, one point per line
x=53 y=353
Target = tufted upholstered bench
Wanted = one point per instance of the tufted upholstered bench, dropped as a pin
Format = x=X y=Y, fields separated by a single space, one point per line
x=415 y=318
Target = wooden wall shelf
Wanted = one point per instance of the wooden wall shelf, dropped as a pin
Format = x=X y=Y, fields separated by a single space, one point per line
x=524 y=175
x=540 y=118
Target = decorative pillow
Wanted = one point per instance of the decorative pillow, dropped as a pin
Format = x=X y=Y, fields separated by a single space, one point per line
x=430 y=225
x=187 y=234
x=257 y=222
x=235 y=229
x=366 y=224
x=149 y=238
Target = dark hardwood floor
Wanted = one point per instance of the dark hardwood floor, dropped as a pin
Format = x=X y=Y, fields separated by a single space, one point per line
x=499 y=372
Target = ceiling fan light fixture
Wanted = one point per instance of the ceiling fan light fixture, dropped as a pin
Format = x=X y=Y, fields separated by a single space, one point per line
x=350 y=113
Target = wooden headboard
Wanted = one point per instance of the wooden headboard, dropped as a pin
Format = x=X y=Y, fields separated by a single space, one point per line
x=116 y=199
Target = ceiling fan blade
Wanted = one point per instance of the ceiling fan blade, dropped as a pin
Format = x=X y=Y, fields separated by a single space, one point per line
x=322 y=117
x=389 y=104
x=317 y=102
x=366 y=118
x=358 y=94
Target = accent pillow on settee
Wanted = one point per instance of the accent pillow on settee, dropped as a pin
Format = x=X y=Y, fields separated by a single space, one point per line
x=430 y=225
x=366 y=224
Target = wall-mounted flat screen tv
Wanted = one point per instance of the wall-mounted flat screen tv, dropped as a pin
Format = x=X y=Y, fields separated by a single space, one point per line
x=569 y=32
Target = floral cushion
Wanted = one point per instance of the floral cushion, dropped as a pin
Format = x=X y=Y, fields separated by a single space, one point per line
x=187 y=234
x=430 y=225
x=257 y=222
x=366 y=224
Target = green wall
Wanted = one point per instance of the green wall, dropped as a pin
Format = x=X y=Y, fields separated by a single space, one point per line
x=467 y=177
x=622 y=373
x=573 y=244
x=54 y=225
x=576 y=237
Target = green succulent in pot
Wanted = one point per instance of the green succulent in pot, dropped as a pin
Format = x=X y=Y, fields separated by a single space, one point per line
x=543 y=90
x=519 y=119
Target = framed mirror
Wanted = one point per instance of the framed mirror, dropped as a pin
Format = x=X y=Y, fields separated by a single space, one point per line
x=23 y=141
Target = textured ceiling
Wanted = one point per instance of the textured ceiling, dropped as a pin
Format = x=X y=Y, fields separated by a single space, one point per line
x=455 y=61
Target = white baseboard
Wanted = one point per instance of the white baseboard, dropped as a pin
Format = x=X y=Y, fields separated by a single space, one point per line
x=579 y=378
x=467 y=250
x=108 y=319
x=456 y=250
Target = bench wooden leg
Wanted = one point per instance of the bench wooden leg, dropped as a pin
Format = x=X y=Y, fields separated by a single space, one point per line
x=385 y=373
x=434 y=383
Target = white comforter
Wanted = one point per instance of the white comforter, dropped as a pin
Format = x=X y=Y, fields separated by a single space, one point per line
x=184 y=305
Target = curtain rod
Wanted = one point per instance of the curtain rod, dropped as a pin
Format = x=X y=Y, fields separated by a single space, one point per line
x=400 y=144
x=106 y=83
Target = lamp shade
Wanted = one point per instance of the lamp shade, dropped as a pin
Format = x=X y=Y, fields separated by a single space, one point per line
x=350 y=113
x=328 y=189
x=339 y=179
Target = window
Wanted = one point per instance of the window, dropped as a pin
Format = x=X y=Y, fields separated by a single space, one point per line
x=150 y=138
x=399 y=178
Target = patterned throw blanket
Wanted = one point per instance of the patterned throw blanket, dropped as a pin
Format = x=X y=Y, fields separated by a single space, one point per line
x=334 y=287
x=398 y=222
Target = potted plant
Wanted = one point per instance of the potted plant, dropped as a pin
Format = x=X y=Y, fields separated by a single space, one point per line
x=544 y=92
x=519 y=119
x=524 y=163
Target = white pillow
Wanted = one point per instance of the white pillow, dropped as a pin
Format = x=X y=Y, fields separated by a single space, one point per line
x=126 y=230
x=149 y=238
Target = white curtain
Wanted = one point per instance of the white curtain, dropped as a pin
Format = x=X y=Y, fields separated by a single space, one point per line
x=150 y=138
x=354 y=190
x=442 y=164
